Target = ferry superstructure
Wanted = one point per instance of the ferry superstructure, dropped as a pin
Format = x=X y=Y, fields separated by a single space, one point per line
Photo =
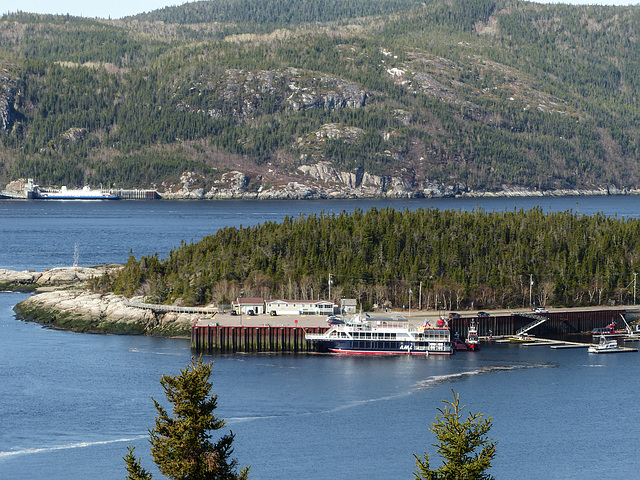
x=384 y=336
x=35 y=192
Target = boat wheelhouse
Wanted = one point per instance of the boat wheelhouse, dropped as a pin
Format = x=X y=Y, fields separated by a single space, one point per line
x=608 y=345
x=384 y=336
x=473 y=341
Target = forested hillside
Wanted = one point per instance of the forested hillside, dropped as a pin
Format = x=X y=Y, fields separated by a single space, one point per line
x=399 y=97
x=458 y=260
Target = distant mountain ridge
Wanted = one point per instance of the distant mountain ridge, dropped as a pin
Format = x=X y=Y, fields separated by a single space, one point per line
x=271 y=13
x=283 y=99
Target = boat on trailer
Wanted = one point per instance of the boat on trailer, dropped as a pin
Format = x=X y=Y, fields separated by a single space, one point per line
x=363 y=335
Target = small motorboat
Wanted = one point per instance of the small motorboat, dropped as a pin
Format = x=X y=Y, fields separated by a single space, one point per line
x=522 y=338
x=607 y=345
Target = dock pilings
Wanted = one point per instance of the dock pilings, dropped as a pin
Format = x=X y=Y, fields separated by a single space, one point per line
x=558 y=322
x=238 y=339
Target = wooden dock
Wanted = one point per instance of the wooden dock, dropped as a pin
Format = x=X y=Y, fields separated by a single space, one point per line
x=227 y=334
x=559 y=322
x=137 y=194
x=252 y=339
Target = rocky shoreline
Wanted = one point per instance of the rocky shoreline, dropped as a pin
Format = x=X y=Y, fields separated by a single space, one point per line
x=87 y=312
x=62 y=303
x=322 y=181
x=30 y=280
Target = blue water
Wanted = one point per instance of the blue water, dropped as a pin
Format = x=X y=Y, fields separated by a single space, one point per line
x=42 y=234
x=71 y=403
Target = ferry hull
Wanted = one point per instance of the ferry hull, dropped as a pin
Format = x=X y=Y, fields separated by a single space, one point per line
x=340 y=351
x=383 y=336
x=33 y=191
x=75 y=197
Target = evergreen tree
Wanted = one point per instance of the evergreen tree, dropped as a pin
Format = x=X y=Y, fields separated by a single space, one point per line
x=457 y=445
x=134 y=469
x=181 y=445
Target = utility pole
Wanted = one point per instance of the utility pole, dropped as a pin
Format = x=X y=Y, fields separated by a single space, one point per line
x=530 y=287
x=420 y=297
x=635 y=275
x=410 y=292
x=76 y=255
x=330 y=282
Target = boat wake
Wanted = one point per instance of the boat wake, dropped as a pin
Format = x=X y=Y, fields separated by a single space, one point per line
x=155 y=352
x=454 y=377
x=235 y=420
x=429 y=382
x=28 y=451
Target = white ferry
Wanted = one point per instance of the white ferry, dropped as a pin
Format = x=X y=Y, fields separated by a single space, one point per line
x=33 y=191
x=68 y=194
x=363 y=335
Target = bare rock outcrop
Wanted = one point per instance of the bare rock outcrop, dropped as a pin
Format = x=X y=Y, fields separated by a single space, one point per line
x=10 y=278
x=83 y=311
x=54 y=277
x=330 y=94
x=8 y=88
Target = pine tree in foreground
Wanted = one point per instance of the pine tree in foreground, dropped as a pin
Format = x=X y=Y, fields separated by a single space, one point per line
x=134 y=469
x=181 y=444
x=458 y=442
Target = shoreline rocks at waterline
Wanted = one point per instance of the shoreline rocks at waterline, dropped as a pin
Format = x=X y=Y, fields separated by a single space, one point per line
x=88 y=312
x=29 y=280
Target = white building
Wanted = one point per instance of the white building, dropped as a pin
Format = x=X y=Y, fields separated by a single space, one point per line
x=349 y=305
x=242 y=305
x=301 y=307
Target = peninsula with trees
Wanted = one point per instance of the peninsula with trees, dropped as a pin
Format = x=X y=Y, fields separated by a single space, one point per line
x=382 y=258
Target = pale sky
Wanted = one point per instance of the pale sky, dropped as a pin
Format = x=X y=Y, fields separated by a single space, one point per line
x=123 y=8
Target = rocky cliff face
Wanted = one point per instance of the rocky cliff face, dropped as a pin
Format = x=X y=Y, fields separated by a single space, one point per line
x=330 y=94
x=314 y=181
x=322 y=180
x=8 y=97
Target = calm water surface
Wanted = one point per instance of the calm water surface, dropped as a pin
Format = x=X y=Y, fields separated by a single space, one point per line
x=42 y=234
x=71 y=403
